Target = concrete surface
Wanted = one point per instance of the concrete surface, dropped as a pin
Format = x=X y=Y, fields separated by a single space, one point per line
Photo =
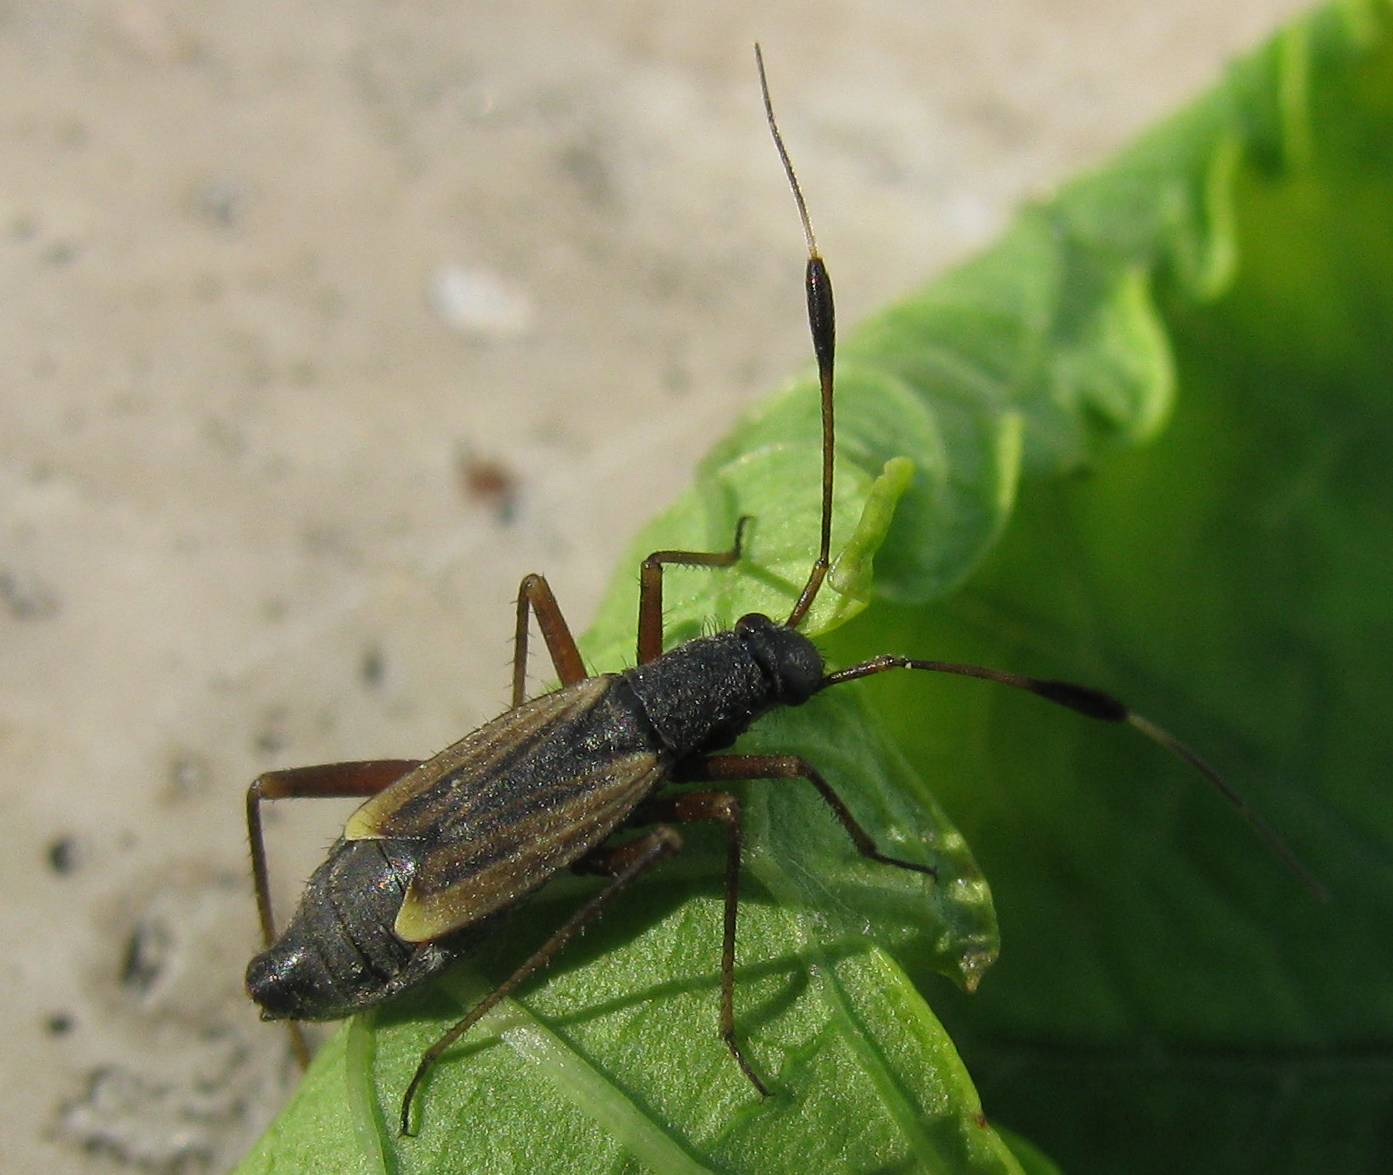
x=325 y=322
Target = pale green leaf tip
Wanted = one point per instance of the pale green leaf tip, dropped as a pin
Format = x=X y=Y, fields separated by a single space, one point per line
x=1213 y=264
x=854 y=570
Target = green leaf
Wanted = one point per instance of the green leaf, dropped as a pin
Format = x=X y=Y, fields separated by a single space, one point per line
x=1172 y=381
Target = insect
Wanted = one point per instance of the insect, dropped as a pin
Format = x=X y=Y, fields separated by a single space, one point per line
x=441 y=848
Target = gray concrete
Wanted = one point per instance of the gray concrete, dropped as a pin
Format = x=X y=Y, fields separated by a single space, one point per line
x=274 y=284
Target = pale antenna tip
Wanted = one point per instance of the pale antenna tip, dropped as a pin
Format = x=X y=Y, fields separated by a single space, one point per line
x=783 y=156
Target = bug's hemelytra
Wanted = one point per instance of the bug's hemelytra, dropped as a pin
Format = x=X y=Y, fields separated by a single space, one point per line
x=442 y=847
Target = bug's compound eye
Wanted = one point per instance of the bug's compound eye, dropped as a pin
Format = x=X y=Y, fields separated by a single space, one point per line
x=791 y=662
x=754 y=623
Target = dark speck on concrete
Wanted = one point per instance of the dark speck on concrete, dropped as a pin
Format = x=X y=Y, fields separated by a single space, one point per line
x=585 y=164
x=487 y=482
x=268 y=741
x=26 y=597
x=60 y=253
x=62 y=855
x=373 y=666
x=220 y=202
x=147 y=949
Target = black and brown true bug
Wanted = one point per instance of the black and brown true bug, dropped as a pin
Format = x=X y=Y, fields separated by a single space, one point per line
x=442 y=847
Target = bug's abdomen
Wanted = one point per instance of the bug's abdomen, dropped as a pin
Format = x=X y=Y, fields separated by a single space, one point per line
x=339 y=953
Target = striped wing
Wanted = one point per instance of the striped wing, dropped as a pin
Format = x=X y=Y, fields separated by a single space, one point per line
x=464 y=879
x=507 y=807
x=457 y=782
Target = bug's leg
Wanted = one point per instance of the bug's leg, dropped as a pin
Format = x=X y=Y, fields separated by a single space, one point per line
x=535 y=598
x=621 y=865
x=732 y=767
x=650 y=588
x=723 y=807
x=326 y=781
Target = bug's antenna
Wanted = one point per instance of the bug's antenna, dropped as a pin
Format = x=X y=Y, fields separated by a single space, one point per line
x=822 y=320
x=783 y=155
x=1096 y=704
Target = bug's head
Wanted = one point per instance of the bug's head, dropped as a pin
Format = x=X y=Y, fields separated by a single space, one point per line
x=789 y=660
